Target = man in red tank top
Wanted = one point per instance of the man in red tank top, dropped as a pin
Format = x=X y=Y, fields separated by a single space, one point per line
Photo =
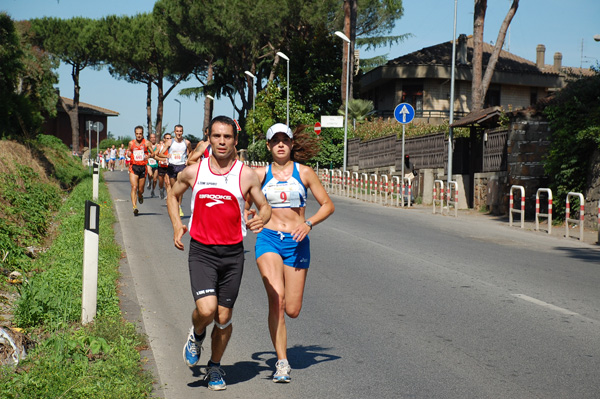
x=220 y=185
x=139 y=150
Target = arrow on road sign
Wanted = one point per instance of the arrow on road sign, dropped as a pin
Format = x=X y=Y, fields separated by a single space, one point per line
x=404 y=113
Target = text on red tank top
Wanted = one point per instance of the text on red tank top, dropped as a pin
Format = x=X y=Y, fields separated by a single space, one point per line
x=217 y=206
x=138 y=151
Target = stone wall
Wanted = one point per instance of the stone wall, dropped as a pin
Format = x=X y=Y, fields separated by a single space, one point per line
x=592 y=195
x=528 y=143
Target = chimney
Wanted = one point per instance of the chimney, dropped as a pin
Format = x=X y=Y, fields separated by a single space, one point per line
x=557 y=62
x=541 y=54
x=461 y=57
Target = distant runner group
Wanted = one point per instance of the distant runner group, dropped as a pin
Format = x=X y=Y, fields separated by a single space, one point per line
x=227 y=199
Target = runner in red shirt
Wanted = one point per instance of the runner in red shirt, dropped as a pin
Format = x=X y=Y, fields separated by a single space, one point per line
x=138 y=150
x=218 y=223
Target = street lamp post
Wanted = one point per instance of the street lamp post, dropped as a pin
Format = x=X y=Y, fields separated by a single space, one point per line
x=211 y=98
x=452 y=74
x=285 y=57
x=253 y=95
x=179 y=102
x=345 y=38
x=232 y=99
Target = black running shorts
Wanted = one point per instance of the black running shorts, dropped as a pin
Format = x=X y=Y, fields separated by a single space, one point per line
x=139 y=170
x=173 y=170
x=216 y=270
x=162 y=170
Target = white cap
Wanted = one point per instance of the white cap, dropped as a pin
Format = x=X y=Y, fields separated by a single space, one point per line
x=279 y=128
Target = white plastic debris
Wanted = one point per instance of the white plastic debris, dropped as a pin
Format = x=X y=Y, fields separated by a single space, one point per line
x=12 y=350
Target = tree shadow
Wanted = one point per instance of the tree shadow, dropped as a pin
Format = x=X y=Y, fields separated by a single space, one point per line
x=234 y=374
x=299 y=356
x=591 y=255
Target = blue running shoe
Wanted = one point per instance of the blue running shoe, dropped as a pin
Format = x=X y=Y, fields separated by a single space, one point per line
x=192 y=349
x=214 y=375
x=282 y=371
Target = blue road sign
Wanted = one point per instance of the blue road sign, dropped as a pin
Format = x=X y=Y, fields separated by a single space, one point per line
x=404 y=113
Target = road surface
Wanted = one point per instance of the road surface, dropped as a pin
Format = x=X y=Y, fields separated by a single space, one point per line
x=399 y=303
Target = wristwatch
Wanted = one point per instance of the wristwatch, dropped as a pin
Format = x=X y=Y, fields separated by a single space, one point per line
x=309 y=223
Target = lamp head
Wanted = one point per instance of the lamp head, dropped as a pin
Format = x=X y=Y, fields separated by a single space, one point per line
x=342 y=36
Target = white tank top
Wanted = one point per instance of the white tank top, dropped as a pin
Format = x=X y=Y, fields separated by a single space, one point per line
x=177 y=153
x=217 y=206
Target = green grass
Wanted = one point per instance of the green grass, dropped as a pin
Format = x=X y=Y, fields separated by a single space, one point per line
x=99 y=360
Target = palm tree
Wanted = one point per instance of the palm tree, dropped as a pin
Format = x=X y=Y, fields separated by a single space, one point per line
x=358 y=110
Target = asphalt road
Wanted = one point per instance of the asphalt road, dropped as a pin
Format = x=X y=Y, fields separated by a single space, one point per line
x=399 y=303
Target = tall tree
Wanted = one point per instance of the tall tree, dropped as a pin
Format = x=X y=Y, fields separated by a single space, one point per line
x=74 y=42
x=140 y=51
x=26 y=82
x=365 y=23
x=226 y=41
x=481 y=84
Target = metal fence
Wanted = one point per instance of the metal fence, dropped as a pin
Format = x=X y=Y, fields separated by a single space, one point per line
x=429 y=152
x=494 y=151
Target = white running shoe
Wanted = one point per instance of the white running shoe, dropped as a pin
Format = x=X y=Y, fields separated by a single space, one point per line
x=192 y=349
x=282 y=372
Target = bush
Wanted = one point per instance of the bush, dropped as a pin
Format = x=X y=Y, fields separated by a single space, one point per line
x=99 y=360
x=52 y=297
x=62 y=165
x=574 y=118
x=28 y=203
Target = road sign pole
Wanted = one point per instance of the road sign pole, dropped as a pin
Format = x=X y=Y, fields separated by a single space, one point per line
x=90 y=262
x=403 y=130
x=89 y=126
x=97 y=138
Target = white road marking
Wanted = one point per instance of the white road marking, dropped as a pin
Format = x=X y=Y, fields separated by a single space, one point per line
x=546 y=305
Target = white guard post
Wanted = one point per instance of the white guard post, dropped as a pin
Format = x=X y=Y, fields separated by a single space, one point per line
x=355 y=184
x=338 y=181
x=363 y=185
x=537 y=209
x=396 y=189
x=409 y=199
x=373 y=192
x=384 y=189
x=581 y=214
x=346 y=182
x=440 y=184
x=325 y=178
x=521 y=211
x=95 y=181
x=452 y=200
x=90 y=262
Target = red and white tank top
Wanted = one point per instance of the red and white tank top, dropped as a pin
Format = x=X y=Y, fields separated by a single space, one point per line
x=139 y=152
x=217 y=206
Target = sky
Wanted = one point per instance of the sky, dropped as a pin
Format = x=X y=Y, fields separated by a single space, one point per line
x=566 y=27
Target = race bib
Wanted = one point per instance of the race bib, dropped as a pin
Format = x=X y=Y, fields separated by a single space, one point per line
x=151 y=161
x=138 y=155
x=285 y=194
x=176 y=156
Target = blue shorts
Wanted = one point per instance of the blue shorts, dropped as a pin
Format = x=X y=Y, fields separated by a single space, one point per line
x=294 y=254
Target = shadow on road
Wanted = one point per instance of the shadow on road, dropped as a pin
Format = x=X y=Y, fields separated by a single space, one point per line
x=234 y=374
x=299 y=356
x=585 y=254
